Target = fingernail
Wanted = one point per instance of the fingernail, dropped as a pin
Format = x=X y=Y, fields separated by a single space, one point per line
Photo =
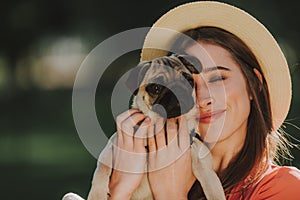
x=147 y=119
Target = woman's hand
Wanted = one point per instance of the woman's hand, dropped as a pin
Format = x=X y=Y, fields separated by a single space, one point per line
x=129 y=154
x=170 y=165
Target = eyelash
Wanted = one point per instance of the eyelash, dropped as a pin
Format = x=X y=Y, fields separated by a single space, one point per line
x=216 y=78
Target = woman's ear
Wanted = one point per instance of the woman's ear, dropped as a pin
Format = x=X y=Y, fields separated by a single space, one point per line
x=259 y=76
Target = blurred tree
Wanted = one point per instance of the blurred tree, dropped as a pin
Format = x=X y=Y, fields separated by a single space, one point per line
x=24 y=23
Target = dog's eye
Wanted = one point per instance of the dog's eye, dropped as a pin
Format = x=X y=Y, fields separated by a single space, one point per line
x=154 y=89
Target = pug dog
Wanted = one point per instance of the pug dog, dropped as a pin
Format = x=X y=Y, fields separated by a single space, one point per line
x=163 y=87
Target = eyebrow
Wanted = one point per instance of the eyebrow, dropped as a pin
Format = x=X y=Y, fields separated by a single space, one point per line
x=209 y=69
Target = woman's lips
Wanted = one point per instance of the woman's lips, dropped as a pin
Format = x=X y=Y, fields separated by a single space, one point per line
x=210 y=116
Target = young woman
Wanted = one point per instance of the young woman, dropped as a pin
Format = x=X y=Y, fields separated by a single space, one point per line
x=243 y=95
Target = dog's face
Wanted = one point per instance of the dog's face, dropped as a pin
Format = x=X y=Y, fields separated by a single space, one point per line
x=165 y=85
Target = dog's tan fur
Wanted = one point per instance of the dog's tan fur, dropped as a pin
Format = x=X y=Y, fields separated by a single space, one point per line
x=201 y=158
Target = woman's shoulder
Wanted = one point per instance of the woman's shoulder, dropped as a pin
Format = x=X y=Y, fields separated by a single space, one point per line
x=282 y=173
x=280 y=182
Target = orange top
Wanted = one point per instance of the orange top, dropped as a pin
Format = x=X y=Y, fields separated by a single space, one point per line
x=278 y=183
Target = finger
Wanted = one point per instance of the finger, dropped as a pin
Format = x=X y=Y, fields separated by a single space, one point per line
x=141 y=135
x=152 y=148
x=113 y=139
x=129 y=124
x=159 y=134
x=184 y=135
x=172 y=132
x=120 y=118
x=115 y=148
x=127 y=127
x=151 y=139
x=119 y=138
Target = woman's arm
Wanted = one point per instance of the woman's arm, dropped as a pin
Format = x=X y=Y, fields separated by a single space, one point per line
x=129 y=154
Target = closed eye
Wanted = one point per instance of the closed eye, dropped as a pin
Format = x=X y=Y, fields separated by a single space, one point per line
x=216 y=79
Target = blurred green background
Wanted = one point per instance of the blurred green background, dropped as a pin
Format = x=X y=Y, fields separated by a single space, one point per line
x=42 y=44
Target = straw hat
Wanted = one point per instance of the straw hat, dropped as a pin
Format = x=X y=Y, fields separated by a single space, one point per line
x=238 y=22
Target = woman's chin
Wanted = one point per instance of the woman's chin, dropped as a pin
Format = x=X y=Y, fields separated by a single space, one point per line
x=211 y=134
x=210 y=141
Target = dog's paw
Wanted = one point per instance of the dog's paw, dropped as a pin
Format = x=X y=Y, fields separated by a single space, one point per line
x=201 y=157
x=72 y=196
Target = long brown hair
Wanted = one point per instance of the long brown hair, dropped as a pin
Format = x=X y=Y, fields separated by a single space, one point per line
x=258 y=147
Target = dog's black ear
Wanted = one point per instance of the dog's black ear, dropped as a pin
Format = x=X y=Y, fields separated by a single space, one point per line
x=191 y=63
x=136 y=76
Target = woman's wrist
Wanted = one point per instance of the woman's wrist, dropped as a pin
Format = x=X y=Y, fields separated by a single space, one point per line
x=118 y=197
x=116 y=193
x=170 y=196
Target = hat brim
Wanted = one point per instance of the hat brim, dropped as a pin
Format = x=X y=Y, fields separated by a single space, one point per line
x=238 y=22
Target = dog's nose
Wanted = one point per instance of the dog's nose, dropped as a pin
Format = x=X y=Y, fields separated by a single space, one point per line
x=161 y=110
x=178 y=92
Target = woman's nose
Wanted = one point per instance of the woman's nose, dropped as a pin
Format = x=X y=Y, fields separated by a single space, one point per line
x=204 y=96
x=206 y=102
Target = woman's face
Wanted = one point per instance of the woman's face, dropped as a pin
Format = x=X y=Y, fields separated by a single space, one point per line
x=223 y=99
